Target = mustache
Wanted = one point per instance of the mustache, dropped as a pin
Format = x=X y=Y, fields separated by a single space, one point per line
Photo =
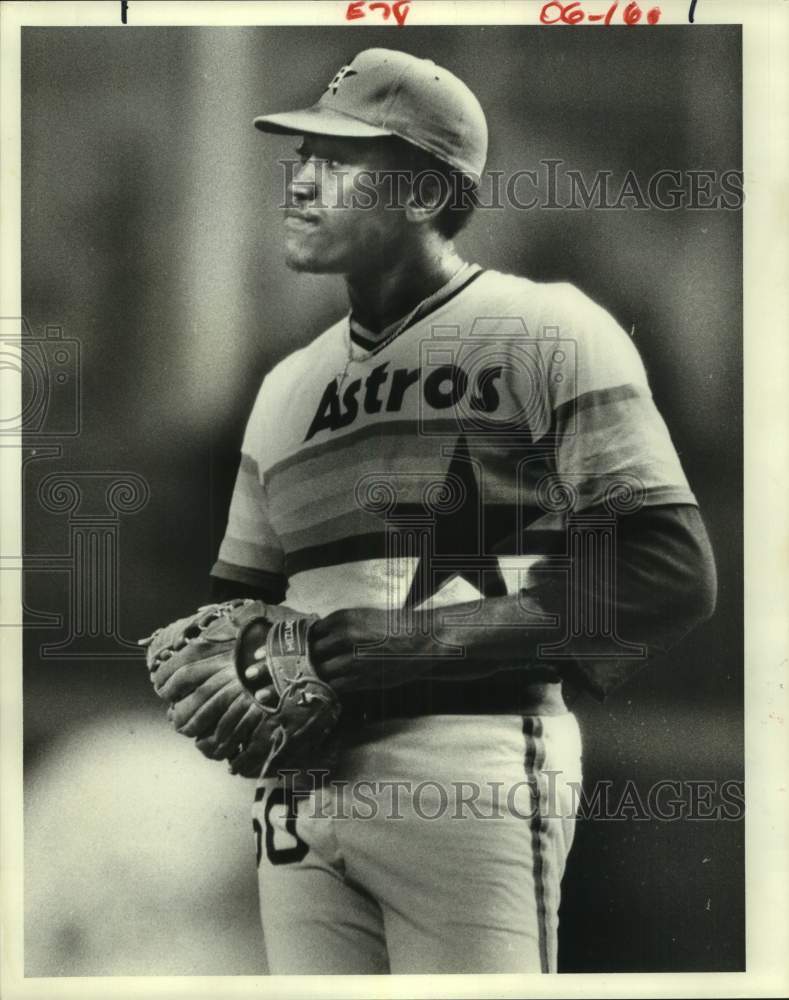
x=304 y=214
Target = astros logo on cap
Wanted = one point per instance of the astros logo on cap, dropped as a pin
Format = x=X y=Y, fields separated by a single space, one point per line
x=339 y=77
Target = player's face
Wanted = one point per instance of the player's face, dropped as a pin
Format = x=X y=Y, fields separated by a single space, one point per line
x=342 y=216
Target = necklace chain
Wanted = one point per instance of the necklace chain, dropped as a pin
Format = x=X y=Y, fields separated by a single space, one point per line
x=400 y=326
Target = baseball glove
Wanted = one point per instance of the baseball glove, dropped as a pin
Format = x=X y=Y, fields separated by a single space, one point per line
x=210 y=666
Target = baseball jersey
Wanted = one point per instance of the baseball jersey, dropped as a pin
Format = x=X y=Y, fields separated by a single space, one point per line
x=443 y=464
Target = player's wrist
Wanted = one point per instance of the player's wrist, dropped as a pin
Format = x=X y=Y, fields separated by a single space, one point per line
x=496 y=632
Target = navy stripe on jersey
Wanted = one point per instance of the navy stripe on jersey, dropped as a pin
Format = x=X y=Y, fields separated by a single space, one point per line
x=249 y=576
x=344 y=550
x=596 y=398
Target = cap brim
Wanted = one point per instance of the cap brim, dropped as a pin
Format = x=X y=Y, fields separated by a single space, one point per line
x=318 y=121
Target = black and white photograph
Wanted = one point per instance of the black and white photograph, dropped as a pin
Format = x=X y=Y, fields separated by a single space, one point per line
x=389 y=588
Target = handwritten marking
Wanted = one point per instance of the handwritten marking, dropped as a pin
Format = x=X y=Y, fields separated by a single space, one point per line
x=574 y=13
x=399 y=9
x=124 y=10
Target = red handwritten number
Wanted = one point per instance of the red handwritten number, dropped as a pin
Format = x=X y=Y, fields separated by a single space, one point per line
x=544 y=13
x=632 y=13
x=573 y=13
x=399 y=8
x=570 y=13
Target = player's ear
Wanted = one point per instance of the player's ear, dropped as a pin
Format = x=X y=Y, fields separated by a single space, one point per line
x=428 y=195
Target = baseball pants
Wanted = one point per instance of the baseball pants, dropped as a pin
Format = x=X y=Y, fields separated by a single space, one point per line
x=436 y=845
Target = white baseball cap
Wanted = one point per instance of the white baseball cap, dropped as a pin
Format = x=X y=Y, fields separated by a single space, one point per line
x=385 y=92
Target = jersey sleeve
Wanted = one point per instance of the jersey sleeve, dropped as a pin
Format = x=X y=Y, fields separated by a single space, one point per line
x=251 y=553
x=610 y=436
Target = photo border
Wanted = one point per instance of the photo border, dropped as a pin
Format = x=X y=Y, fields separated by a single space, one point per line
x=766 y=321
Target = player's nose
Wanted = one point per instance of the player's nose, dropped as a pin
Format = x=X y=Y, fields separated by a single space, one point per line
x=304 y=182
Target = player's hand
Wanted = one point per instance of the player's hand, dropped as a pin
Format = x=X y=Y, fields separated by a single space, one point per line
x=335 y=640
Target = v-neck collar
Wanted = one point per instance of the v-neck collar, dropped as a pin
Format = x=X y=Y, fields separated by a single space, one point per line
x=362 y=338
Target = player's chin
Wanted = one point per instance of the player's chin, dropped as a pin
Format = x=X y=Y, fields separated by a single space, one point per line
x=305 y=265
x=309 y=263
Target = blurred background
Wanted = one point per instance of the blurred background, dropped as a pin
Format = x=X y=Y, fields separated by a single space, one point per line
x=151 y=250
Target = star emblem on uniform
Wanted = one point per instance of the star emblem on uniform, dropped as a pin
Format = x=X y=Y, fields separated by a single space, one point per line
x=339 y=76
x=457 y=539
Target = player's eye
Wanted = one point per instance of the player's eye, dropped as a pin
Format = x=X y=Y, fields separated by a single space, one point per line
x=327 y=160
x=305 y=155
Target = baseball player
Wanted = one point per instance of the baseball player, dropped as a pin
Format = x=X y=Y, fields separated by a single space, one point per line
x=465 y=479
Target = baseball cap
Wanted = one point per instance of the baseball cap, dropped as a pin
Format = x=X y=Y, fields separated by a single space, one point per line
x=386 y=92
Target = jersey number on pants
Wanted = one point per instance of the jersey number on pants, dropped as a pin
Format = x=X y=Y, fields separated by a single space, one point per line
x=278 y=855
